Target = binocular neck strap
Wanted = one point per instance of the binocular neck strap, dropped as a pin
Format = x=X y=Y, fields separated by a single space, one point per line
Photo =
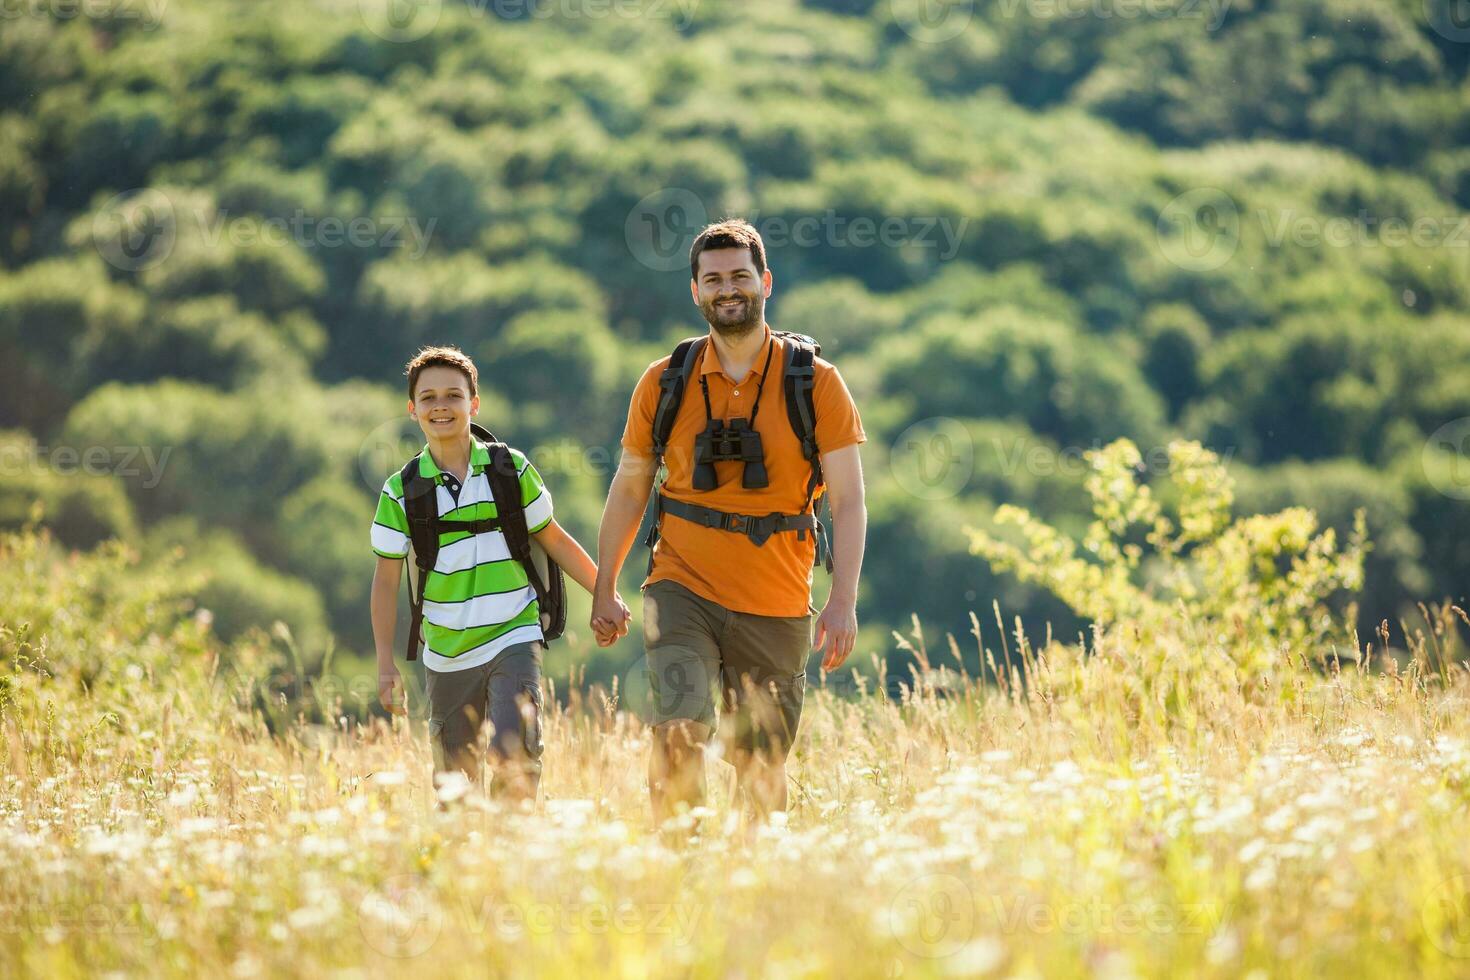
x=709 y=413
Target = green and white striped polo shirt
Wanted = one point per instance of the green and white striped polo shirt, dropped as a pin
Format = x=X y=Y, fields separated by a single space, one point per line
x=477 y=600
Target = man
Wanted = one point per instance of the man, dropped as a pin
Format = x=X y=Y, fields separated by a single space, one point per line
x=721 y=607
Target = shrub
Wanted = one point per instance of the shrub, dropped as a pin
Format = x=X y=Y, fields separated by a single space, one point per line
x=1255 y=591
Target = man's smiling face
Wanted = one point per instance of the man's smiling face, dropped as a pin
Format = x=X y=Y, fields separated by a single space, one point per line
x=442 y=403
x=730 y=292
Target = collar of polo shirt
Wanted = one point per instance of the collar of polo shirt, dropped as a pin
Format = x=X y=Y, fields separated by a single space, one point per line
x=479 y=459
x=710 y=360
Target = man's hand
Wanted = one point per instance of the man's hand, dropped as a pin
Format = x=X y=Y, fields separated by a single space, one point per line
x=610 y=616
x=390 y=689
x=838 y=623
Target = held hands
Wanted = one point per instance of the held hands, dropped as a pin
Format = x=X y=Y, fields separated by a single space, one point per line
x=610 y=618
x=837 y=623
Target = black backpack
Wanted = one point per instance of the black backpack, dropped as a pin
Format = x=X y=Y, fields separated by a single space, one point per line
x=424 y=526
x=798 y=378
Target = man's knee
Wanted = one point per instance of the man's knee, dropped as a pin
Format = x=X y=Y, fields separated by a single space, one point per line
x=758 y=762
x=680 y=740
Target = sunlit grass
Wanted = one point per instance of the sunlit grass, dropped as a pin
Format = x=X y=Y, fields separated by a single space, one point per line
x=1295 y=823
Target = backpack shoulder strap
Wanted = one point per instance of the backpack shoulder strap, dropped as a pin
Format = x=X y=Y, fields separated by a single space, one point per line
x=798 y=378
x=505 y=487
x=672 y=385
x=421 y=507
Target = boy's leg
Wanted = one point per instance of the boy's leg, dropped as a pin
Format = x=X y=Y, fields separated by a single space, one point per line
x=679 y=630
x=515 y=717
x=456 y=712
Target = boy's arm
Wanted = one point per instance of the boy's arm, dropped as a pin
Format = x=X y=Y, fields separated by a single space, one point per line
x=563 y=549
x=384 y=609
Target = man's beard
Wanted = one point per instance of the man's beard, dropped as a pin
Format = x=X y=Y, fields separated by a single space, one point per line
x=720 y=323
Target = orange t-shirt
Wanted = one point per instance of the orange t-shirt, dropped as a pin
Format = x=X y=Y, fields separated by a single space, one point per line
x=726 y=567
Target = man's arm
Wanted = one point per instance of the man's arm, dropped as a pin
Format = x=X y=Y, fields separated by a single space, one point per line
x=626 y=499
x=383 y=607
x=843 y=471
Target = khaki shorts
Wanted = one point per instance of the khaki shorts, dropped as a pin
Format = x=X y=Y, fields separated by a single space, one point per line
x=757 y=664
x=503 y=694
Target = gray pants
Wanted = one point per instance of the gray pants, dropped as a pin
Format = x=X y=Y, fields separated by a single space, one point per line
x=506 y=692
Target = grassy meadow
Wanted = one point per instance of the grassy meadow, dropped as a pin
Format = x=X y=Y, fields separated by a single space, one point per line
x=1158 y=805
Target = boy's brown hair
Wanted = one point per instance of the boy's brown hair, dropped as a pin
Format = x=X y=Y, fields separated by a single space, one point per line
x=451 y=357
x=729 y=233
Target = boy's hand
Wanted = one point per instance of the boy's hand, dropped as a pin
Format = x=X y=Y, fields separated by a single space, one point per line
x=610 y=619
x=390 y=689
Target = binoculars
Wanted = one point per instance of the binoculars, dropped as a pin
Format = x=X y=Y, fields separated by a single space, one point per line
x=721 y=442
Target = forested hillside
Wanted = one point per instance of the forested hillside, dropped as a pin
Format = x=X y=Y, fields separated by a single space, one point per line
x=1021 y=229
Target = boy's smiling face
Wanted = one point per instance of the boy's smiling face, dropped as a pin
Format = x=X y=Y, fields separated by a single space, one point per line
x=442 y=404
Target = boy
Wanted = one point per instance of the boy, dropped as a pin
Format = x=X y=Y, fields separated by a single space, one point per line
x=482 y=633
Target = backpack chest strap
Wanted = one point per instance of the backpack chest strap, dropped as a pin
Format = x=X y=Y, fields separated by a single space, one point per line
x=757 y=528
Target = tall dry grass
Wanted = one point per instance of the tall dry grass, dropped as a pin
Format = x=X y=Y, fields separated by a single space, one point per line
x=1155 y=808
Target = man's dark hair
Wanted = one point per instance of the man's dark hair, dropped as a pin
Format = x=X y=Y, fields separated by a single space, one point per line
x=729 y=233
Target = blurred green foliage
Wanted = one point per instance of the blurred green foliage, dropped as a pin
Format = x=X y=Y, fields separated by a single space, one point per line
x=222 y=235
